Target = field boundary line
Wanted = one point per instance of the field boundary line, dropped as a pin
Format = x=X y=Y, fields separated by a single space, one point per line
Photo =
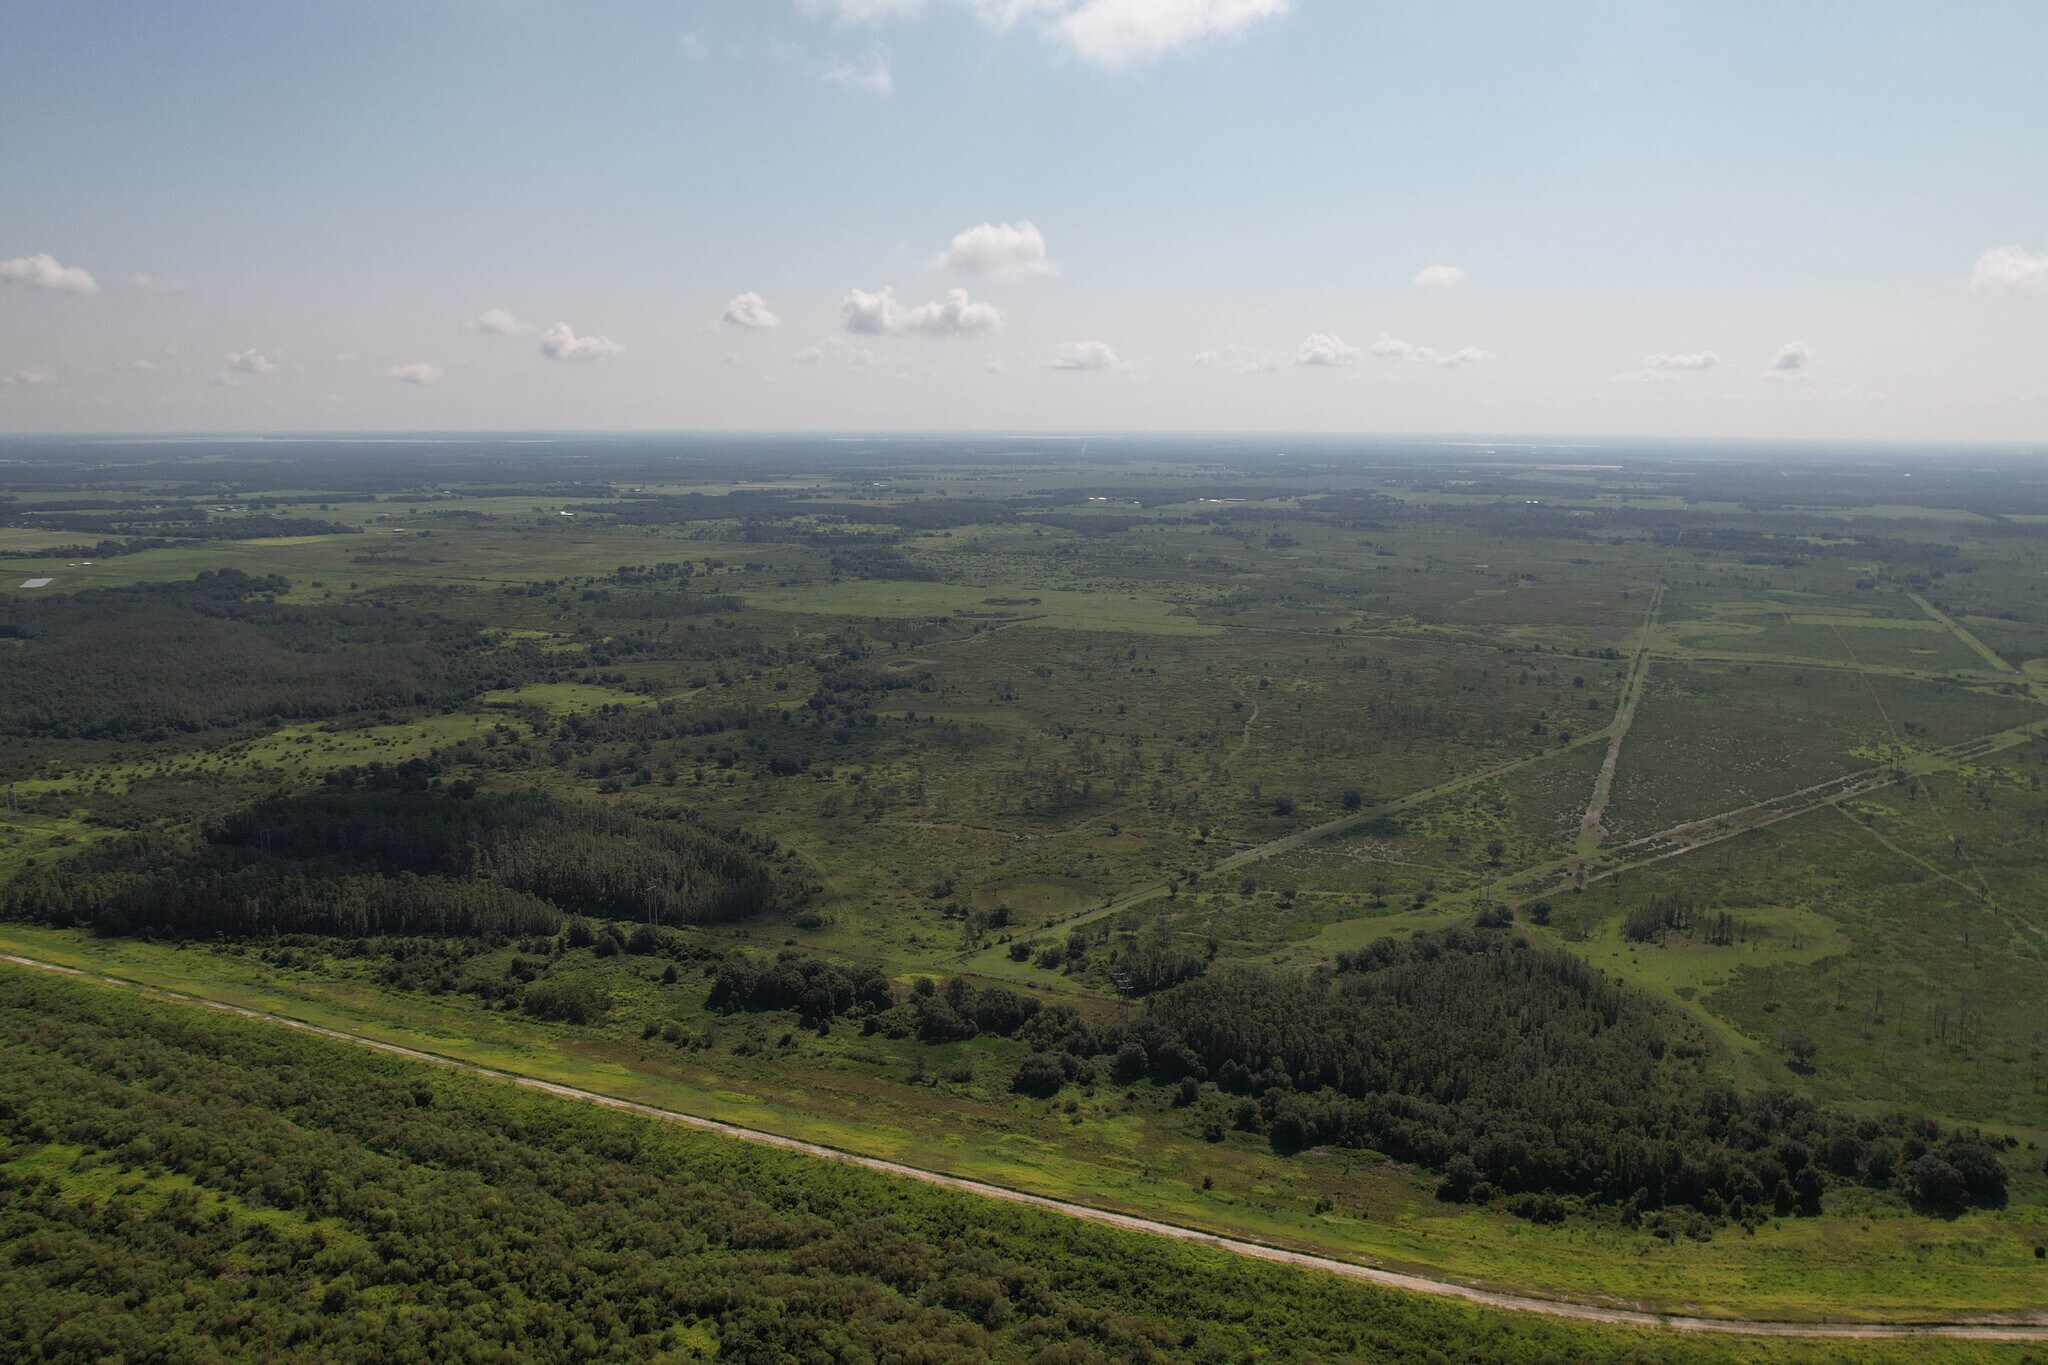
x=2001 y=1327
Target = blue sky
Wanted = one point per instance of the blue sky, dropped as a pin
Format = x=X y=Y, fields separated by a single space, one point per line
x=1821 y=219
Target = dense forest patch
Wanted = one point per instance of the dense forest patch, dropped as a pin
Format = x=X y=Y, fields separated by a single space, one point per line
x=394 y=851
x=1517 y=1072
x=219 y=649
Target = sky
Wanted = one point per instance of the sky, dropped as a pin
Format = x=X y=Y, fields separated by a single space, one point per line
x=1812 y=220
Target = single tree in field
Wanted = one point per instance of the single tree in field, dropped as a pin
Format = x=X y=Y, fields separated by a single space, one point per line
x=1799 y=1049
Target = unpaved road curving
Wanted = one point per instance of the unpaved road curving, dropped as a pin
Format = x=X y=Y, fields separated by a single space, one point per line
x=2030 y=1327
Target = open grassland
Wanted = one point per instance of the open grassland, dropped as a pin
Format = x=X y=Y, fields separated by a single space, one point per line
x=1027 y=723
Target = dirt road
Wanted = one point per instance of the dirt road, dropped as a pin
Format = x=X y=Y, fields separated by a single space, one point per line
x=2031 y=1327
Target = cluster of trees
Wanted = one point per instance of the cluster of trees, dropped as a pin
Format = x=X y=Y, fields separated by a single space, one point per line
x=180 y=1186
x=817 y=990
x=219 y=649
x=1648 y=922
x=821 y=992
x=394 y=850
x=1518 y=1072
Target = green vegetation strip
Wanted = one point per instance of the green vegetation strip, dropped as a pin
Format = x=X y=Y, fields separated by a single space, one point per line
x=2032 y=1327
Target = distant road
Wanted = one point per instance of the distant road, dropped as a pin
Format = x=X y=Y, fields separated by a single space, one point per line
x=2028 y=1327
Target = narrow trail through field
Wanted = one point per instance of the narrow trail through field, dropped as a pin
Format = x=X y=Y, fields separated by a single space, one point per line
x=2023 y=1327
x=1591 y=830
x=1692 y=835
x=1286 y=842
x=1955 y=628
x=1933 y=804
x=1980 y=892
x=1246 y=741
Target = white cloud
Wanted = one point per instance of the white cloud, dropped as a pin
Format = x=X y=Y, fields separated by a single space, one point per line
x=1082 y=355
x=251 y=362
x=862 y=11
x=160 y=283
x=1792 y=357
x=144 y=365
x=1241 y=359
x=1394 y=348
x=1698 y=360
x=1114 y=34
x=750 y=310
x=879 y=314
x=1323 y=348
x=869 y=75
x=1003 y=250
x=1439 y=276
x=33 y=378
x=419 y=372
x=838 y=349
x=41 y=271
x=2001 y=270
x=560 y=342
x=871 y=314
x=499 y=323
x=1118 y=34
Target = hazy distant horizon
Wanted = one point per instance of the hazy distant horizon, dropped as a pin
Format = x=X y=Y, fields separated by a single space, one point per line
x=1521 y=443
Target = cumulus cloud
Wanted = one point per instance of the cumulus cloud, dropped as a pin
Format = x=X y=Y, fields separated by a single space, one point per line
x=1241 y=359
x=1394 y=348
x=499 y=323
x=1698 y=360
x=750 y=310
x=1323 y=348
x=560 y=342
x=1439 y=276
x=41 y=271
x=862 y=11
x=419 y=372
x=869 y=75
x=143 y=365
x=1081 y=355
x=1002 y=250
x=838 y=350
x=1113 y=34
x=2009 y=270
x=34 y=377
x=251 y=361
x=1117 y=34
x=1792 y=358
x=879 y=314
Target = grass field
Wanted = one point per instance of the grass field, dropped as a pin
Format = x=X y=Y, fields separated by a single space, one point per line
x=1257 y=715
